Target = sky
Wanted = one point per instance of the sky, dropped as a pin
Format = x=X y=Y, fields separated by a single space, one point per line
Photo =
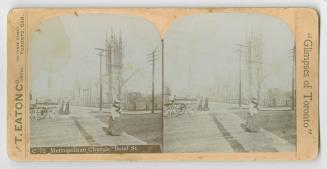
x=204 y=46
x=65 y=48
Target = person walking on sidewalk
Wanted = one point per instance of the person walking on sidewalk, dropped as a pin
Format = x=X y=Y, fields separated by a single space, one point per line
x=115 y=127
x=251 y=123
x=199 y=108
x=61 y=109
x=206 y=104
x=67 y=111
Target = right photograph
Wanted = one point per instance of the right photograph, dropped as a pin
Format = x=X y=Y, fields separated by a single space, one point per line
x=229 y=84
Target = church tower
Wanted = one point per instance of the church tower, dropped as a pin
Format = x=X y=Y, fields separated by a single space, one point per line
x=114 y=65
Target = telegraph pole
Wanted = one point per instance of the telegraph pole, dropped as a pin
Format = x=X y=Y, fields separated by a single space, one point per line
x=162 y=75
x=100 y=76
x=240 y=73
x=292 y=52
x=152 y=58
x=100 y=94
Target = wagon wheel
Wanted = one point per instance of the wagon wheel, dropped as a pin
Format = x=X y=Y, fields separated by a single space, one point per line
x=43 y=113
x=175 y=110
x=181 y=109
x=166 y=110
x=189 y=109
x=170 y=109
x=32 y=114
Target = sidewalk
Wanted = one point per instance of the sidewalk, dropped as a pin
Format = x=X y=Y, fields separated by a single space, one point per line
x=92 y=129
x=263 y=141
x=59 y=131
x=77 y=129
x=193 y=133
x=218 y=131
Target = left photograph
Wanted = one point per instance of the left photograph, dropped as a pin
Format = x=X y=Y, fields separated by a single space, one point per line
x=95 y=83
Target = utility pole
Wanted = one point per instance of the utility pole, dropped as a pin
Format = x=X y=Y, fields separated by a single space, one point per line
x=152 y=59
x=240 y=73
x=100 y=54
x=292 y=52
x=100 y=75
x=162 y=75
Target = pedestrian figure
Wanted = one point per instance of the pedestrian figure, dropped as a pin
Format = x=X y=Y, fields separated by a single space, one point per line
x=61 y=109
x=67 y=108
x=115 y=128
x=251 y=124
x=206 y=104
x=199 y=108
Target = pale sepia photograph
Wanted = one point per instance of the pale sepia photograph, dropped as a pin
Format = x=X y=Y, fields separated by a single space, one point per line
x=229 y=84
x=95 y=80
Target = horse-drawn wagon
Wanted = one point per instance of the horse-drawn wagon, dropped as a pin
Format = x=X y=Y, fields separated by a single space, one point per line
x=40 y=111
x=180 y=106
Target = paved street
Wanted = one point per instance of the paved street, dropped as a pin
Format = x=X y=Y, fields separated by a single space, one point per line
x=80 y=128
x=59 y=131
x=146 y=127
x=219 y=130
